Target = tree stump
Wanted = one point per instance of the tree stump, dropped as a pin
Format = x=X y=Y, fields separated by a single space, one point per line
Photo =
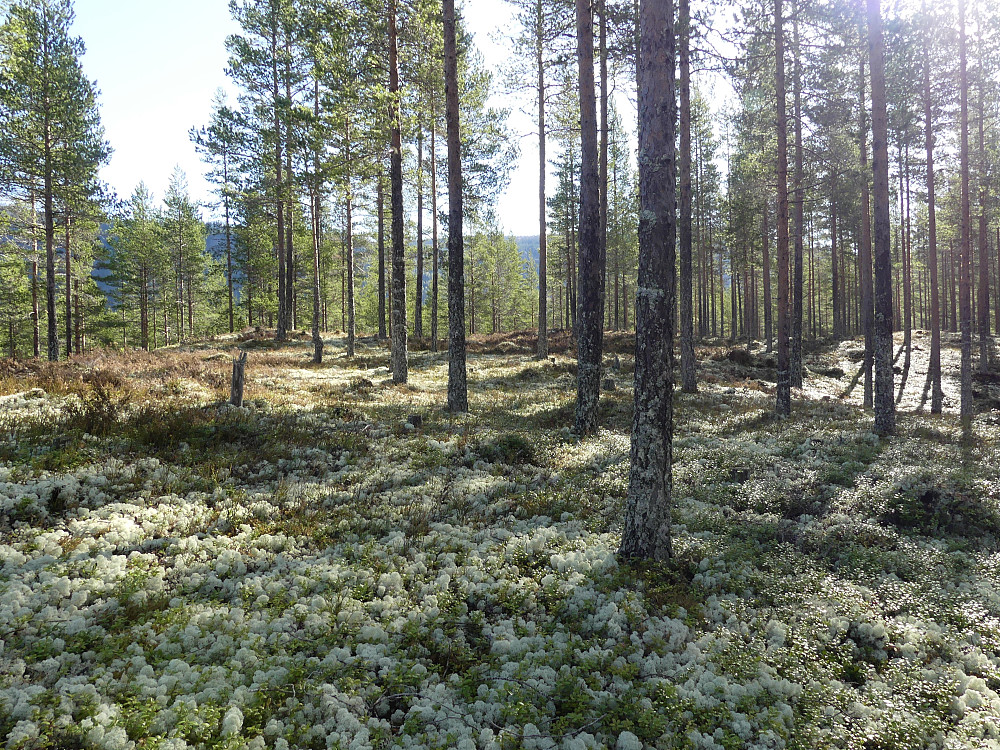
x=239 y=376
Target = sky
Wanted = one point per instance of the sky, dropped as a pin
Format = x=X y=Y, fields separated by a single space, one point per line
x=158 y=64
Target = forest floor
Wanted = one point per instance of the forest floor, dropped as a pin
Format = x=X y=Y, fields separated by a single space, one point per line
x=341 y=564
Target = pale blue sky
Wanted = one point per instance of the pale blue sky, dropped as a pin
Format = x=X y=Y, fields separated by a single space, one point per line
x=158 y=64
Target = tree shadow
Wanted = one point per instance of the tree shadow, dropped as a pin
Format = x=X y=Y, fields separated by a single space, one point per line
x=925 y=393
x=905 y=374
x=854 y=381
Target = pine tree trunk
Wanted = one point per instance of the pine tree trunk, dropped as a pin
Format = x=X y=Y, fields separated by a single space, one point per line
x=838 y=325
x=965 y=270
x=349 y=235
x=291 y=301
x=865 y=248
x=458 y=395
x=689 y=375
x=766 y=273
x=279 y=182
x=36 y=343
x=885 y=405
x=588 y=318
x=984 y=252
x=315 y=208
x=77 y=323
x=418 y=297
x=783 y=405
x=646 y=532
x=996 y=288
x=543 y=318
x=602 y=168
x=907 y=269
x=795 y=356
x=229 y=241
x=144 y=308
x=69 y=287
x=400 y=372
x=380 y=208
x=434 y=233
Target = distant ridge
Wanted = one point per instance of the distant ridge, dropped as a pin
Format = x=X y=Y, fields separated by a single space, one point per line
x=527 y=246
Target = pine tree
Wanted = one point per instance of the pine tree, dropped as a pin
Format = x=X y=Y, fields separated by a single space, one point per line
x=398 y=313
x=590 y=320
x=458 y=396
x=647 y=516
x=219 y=143
x=51 y=140
x=689 y=383
x=885 y=404
x=784 y=399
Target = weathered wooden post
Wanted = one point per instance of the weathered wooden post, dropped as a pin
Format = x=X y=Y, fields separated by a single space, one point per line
x=239 y=374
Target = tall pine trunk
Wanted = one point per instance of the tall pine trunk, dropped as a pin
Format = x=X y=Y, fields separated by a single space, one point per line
x=783 y=405
x=434 y=232
x=795 y=357
x=349 y=234
x=865 y=248
x=885 y=405
x=588 y=319
x=458 y=394
x=400 y=372
x=380 y=209
x=646 y=533
x=282 y=322
x=983 y=299
x=418 y=297
x=67 y=221
x=603 y=168
x=766 y=273
x=35 y=318
x=965 y=263
x=543 y=318
x=315 y=208
x=689 y=377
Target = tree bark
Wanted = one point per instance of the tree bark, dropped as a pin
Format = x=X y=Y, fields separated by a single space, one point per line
x=603 y=165
x=646 y=532
x=238 y=380
x=885 y=404
x=434 y=233
x=291 y=299
x=69 y=286
x=349 y=236
x=418 y=297
x=984 y=252
x=689 y=374
x=965 y=270
x=835 y=272
x=458 y=394
x=50 y=252
x=279 y=182
x=380 y=208
x=865 y=248
x=543 y=318
x=795 y=356
x=229 y=239
x=400 y=371
x=316 y=205
x=766 y=273
x=783 y=405
x=589 y=319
